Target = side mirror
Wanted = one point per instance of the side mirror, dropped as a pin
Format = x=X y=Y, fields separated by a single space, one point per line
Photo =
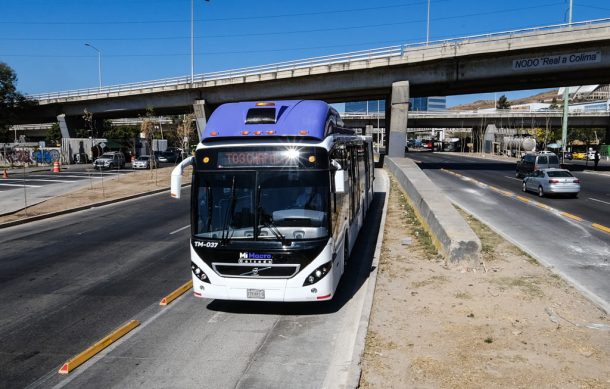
x=340 y=181
x=176 y=178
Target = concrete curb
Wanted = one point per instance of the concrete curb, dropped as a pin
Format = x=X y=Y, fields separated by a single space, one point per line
x=355 y=368
x=452 y=235
x=81 y=208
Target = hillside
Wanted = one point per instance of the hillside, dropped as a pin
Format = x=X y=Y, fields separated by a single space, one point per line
x=546 y=97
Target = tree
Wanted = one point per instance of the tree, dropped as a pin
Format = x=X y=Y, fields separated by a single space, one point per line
x=12 y=103
x=503 y=103
x=53 y=137
x=127 y=135
x=185 y=130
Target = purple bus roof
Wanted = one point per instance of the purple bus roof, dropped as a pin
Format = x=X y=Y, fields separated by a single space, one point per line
x=291 y=118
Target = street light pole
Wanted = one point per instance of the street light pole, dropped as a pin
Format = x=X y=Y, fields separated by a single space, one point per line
x=99 y=64
x=193 y=40
x=566 y=100
x=428 y=25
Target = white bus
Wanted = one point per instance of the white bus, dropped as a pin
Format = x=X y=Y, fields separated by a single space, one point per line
x=279 y=193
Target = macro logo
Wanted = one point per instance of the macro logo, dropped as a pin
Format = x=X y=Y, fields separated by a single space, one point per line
x=255 y=258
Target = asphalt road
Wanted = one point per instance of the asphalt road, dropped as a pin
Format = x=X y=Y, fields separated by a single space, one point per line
x=67 y=282
x=34 y=187
x=577 y=251
x=592 y=204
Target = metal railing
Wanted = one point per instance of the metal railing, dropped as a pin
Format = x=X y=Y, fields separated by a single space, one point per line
x=328 y=60
x=477 y=114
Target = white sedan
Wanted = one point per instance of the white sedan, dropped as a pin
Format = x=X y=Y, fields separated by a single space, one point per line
x=143 y=162
x=552 y=181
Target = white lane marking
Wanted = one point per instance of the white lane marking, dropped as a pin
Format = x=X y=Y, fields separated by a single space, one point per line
x=180 y=229
x=42 y=179
x=63 y=176
x=514 y=178
x=27 y=185
x=601 y=201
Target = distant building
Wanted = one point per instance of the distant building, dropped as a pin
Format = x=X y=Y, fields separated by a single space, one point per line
x=433 y=103
x=586 y=93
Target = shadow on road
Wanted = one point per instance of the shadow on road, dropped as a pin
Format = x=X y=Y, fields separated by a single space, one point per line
x=356 y=273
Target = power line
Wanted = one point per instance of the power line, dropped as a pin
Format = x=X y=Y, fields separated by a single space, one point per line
x=290 y=32
x=206 y=20
x=207 y=53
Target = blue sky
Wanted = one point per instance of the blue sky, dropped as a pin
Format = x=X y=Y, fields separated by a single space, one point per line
x=44 y=40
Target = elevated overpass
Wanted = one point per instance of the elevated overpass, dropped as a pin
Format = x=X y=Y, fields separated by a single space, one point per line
x=474 y=119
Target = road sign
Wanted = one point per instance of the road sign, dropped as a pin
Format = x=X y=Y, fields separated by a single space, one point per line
x=102 y=144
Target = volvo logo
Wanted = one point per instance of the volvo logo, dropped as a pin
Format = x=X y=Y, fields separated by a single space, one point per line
x=255 y=271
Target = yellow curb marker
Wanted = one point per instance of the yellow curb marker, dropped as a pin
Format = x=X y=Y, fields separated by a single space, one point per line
x=573 y=217
x=97 y=347
x=600 y=227
x=176 y=293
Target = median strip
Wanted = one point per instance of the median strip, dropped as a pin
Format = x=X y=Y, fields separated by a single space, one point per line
x=176 y=293
x=97 y=347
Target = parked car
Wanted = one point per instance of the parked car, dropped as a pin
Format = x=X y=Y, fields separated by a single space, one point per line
x=552 y=181
x=169 y=156
x=110 y=160
x=144 y=162
x=536 y=161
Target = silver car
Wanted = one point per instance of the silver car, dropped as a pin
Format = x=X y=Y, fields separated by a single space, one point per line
x=144 y=162
x=552 y=181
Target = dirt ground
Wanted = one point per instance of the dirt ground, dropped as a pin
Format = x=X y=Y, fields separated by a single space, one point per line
x=504 y=322
x=98 y=191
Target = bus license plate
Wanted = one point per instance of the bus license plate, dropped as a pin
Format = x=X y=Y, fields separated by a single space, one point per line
x=256 y=293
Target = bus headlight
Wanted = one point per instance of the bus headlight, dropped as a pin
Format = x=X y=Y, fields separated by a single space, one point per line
x=199 y=273
x=318 y=274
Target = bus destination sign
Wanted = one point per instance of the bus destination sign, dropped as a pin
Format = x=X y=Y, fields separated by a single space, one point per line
x=251 y=158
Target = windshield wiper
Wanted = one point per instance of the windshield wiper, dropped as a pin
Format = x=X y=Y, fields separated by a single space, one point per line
x=272 y=227
x=228 y=216
x=266 y=221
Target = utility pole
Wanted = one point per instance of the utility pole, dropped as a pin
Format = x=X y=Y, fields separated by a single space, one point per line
x=566 y=100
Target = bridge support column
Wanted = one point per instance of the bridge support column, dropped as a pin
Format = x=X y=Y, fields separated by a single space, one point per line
x=63 y=126
x=200 y=118
x=398 y=119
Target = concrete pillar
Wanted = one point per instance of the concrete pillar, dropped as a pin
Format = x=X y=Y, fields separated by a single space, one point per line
x=63 y=126
x=200 y=118
x=398 y=118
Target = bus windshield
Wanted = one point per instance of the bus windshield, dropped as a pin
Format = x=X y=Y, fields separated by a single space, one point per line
x=264 y=205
